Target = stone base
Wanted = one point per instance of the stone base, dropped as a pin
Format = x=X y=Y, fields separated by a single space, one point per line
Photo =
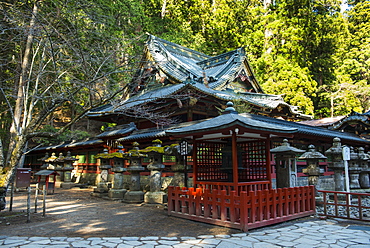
x=117 y=193
x=100 y=195
x=101 y=188
x=155 y=197
x=67 y=185
x=134 y=197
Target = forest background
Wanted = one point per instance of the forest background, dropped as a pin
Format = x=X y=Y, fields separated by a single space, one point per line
x=61 y=58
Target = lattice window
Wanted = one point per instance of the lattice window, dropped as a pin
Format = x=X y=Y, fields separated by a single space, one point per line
x=254 y=161
x=215 y=162
x=209 y=162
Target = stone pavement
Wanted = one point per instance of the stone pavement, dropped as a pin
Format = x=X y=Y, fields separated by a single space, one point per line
x=318 y=233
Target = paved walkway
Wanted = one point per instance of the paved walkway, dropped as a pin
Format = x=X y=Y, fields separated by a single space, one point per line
x=321 y=233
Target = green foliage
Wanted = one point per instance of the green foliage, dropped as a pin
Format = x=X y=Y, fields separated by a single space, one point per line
x=107 y=126
x=67 y=136
x=307 y=51
x=283 y=77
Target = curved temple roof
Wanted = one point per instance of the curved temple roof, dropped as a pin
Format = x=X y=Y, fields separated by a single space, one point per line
x=227 y=77
x=180 y=62
x=233 y=120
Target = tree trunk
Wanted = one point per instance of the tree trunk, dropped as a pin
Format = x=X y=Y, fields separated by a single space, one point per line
x=15 y=157
x=17 y=137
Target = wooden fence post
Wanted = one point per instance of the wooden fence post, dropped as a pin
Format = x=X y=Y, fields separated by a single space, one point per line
x=36 y=195
x=11 y=197
x=28 y=204
x=43 y=200
x=244 y=211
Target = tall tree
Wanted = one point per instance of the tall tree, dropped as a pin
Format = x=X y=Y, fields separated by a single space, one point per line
x=58 y=53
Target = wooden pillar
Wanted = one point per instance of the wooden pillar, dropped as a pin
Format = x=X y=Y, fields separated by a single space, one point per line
x=268 y=161
x=235 y=159
x=195 y=163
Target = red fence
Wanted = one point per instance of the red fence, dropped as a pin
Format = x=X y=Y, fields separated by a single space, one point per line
x=244 y=211
x=345 y=205
x=245 y=186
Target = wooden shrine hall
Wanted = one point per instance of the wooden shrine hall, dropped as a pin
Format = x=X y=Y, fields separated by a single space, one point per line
x=232 y=175
x=178 y=93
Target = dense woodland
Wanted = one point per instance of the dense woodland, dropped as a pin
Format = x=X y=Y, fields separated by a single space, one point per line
x=60 y=58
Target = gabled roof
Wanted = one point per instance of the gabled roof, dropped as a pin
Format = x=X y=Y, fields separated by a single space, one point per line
x=324 y=122
x=231 y=120
x=179 y=63
x=250 y=121
x=88 y=142
x=171 y=68
x=256 y=99
x=119 y=130
x=313 y=131
x=354 y=117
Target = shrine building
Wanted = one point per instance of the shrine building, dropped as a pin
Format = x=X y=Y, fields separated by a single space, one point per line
x=176 y=87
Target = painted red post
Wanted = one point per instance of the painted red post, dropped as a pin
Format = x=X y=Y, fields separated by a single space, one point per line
x=170 y=199
x=207 y=210
x=253 y=206
x=232 y=206
x=191 y=194
x=214 y=206
x=244 y=210
x=268 y=161
x=235 y=159
x=282 y=203
x=195 y=163
x=274 y=204
x=198 y=207
x=176 y=199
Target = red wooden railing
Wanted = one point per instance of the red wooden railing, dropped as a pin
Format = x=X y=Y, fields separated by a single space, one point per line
x=245 y=186
x=345 y=205
x=246 y=210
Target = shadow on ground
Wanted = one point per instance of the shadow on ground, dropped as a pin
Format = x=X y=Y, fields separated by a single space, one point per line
x=73 y=212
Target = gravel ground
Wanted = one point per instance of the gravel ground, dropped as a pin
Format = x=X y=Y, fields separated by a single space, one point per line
x=74 y=213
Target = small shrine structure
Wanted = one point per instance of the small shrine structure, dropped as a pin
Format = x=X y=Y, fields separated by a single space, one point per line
x=236 y=190
x=176 y=88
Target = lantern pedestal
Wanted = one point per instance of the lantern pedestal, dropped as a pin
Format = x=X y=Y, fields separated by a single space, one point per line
x=102 y=186
x=155 y=154
x=67 y=185
x=68 y=167
x=117 y=192
x=134 y=197
x=157 y=197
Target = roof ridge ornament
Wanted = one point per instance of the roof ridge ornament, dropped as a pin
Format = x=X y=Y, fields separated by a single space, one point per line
x=230 y=108
x=189 y=80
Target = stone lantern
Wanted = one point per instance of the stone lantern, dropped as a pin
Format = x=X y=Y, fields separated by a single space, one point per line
x=334 y=153
x=59 y=164
x=354 y=170
x=155 y=166
x=117 y=191
x=313 y=168
x=67 y=171
x=51 y=162
x=286 y=164
x=102 y=185
x=179 y=167
x=364 y=174
x=134 y=194
x=45 y=164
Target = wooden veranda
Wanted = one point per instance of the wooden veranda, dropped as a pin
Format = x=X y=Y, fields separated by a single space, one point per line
x=232 y=176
